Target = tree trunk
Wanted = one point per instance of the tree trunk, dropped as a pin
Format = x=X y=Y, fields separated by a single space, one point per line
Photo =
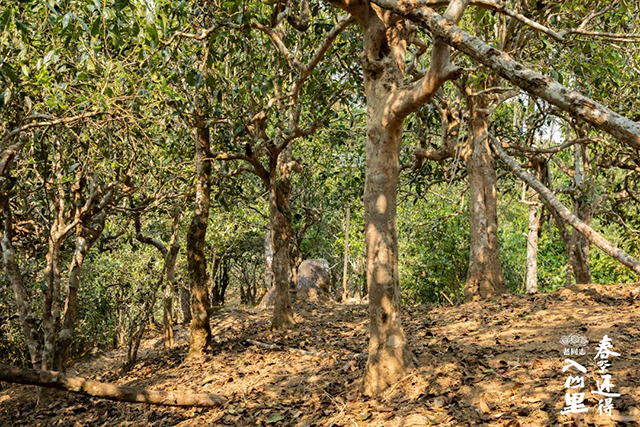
x=200 y=327
x=51 y=305
x=170 y=286
x=281 y=233
x=109 y=391
x=86 y=236
x=268 y=259
x=346 y=256
x=550 y=199
x=584 y=211
x=485 y=277
x=27 y=319
x=532 y=247
x=185 y=303
x=543 y=87
x=389 y=357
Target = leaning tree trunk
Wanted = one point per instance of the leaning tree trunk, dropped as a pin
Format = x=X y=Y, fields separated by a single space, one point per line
x=485 y=278
x=120 y=393
x=554 y=204
x=86 y=236
x=544 y=87
x=200 y=327
x=281 y=234
x=29 y=328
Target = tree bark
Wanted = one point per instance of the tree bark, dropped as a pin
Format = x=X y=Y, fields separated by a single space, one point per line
x=389 y=102
x=170 y=287
x=485 y=277
x=200 y=327
x=584 y=211
x=185 y=303
x=120 y=393
x=346 y=256
x=544 y=87
x=86 y=236
x=550 y=199
x=51 y=306
x=281 y=233
x=27 y=319
x=532 y=245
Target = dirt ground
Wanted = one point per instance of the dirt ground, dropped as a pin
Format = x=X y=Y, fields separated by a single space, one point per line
x=496 y=363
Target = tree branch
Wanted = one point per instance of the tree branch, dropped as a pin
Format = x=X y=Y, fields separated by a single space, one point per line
x=121 y=393
x=544 y=87
x=549 y=198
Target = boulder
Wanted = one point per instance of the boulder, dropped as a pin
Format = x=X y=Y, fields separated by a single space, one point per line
x=313 y=279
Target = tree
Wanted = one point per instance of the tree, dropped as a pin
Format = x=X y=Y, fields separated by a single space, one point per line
x=389 y=102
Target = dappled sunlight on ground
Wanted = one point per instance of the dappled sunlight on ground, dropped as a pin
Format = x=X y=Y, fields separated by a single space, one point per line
x=496 y=363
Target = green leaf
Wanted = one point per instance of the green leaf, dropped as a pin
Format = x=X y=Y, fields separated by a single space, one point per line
x=119 y=5
x=275 y=418
x=66 y=19
x=8 y=71
x=4 y=19
x=95 y=27
x=153 y=34
x=83 y=24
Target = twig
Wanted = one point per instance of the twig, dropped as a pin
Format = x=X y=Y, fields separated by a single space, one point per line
x=445 y=295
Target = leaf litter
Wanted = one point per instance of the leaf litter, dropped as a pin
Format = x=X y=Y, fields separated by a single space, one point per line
x=494 y=363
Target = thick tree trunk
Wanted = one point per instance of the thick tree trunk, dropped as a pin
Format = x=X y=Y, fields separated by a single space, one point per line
x=580 y=247
x=109 y=391
x=281 y=233
x=389 y=356
x=27 y=319
x=268 y=260
x=485 y=278
x=200 y=327
x=550 y=199
x=86 y=236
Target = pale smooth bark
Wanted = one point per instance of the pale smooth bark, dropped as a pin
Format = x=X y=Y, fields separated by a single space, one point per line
x=532 y=248
x=550 y=199
x=544 y=87
x=346 y=256
x=389 y=101
x=27 y=319
x=120 y=393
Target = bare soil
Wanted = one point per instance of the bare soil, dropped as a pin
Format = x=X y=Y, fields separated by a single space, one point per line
x=496 y=363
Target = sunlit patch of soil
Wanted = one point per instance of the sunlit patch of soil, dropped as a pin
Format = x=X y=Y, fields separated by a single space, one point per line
x=496 y=363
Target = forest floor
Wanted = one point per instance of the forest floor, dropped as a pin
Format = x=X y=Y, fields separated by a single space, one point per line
x=496 y=363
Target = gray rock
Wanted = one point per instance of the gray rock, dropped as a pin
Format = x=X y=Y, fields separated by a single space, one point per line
x=313 y=279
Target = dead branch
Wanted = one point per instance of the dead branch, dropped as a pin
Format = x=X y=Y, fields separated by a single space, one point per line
x=120 y=393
